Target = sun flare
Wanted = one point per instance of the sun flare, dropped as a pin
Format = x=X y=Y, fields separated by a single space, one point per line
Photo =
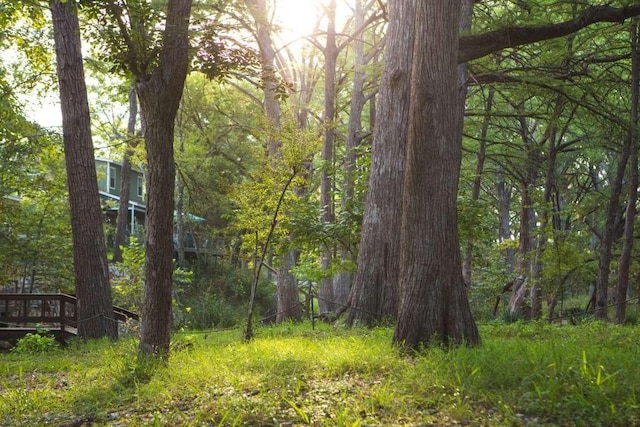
x=299 y=18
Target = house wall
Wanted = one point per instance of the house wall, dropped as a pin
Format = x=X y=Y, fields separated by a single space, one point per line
x=110 y=172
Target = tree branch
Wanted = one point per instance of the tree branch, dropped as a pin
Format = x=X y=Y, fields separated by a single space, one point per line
x=474 y=46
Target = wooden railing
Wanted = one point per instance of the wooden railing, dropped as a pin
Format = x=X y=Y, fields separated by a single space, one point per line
x=52 y=311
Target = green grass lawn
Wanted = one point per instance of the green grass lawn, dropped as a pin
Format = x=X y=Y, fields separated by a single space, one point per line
x=522 y=374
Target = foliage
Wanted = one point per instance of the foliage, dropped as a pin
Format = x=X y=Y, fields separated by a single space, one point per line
x=257 y=198
x=522 y=374
x=218 y=296
x=128 y=277
x=35 y=343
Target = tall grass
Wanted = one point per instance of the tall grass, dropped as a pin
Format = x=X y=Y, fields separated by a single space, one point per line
x=522 y=374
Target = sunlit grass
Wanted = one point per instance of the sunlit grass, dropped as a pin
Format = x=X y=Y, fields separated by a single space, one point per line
x=522 y=374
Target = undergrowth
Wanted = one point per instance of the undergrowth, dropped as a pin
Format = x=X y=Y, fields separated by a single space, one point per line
x=529 y=374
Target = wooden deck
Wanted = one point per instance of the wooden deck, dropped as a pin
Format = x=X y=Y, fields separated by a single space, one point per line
x=21 y=314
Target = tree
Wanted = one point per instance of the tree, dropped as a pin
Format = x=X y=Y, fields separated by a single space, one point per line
x=288 y=302
x=94 y=308
x=120 y=238
x=433 y=303
x=158 y=58
x=433 y=300
x=159 y=92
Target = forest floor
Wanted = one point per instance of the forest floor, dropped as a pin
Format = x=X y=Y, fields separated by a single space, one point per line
x=523 y=374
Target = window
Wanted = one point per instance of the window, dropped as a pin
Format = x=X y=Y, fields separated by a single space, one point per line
x=140 y=186
x=112 y=177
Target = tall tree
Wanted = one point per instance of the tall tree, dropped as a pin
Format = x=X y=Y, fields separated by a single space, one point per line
x=157 y=55
x=94 y=308
x=159 y=92
x=288 y=302
x=630 y=213
x=433 y=304
x=433 y=299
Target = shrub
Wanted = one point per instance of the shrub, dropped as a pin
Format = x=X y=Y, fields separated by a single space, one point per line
x=35 y=343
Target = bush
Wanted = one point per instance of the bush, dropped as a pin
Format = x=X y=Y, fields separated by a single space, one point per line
x=35 y=343
x=218 y=297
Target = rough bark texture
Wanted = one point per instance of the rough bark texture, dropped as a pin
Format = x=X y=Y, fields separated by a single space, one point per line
x=159 y=95
x=289 y=307
x=434 y=306
x=374 y=294
x=94 y=307
x=123 y=207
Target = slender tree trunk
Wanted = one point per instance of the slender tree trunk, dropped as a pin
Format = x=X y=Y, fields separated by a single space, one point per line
x=606 y=241
x=326 y=298
x=504 y=221
x=159 y=96
x=94 y=307
x=433 y=305
x=630 y=214
x=375 y=293
x=342 y=280
x=287 y=290
x=123 y=207
x=477 y=180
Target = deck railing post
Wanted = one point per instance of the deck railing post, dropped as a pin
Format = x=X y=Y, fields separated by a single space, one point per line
x=63 y=313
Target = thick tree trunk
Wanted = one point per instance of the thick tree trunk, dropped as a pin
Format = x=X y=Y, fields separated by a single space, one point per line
x=375 y=293
x=94 y=308
x=123 y=207
x=159 y=96
x=434 y=305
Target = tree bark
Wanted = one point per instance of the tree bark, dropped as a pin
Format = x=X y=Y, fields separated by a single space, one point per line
x=94 y=307
x=159 y=94
x=434 y=306
x=374 y=293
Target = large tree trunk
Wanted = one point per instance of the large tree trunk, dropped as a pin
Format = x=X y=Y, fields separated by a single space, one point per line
x=94 y=309
x=434 y=305
x=159 y=96
x=374 y=294
x=123 y=207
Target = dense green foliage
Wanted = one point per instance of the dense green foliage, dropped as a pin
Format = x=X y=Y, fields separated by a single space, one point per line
x=523 y=374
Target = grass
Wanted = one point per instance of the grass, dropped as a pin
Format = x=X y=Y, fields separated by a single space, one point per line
x=522 y=375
